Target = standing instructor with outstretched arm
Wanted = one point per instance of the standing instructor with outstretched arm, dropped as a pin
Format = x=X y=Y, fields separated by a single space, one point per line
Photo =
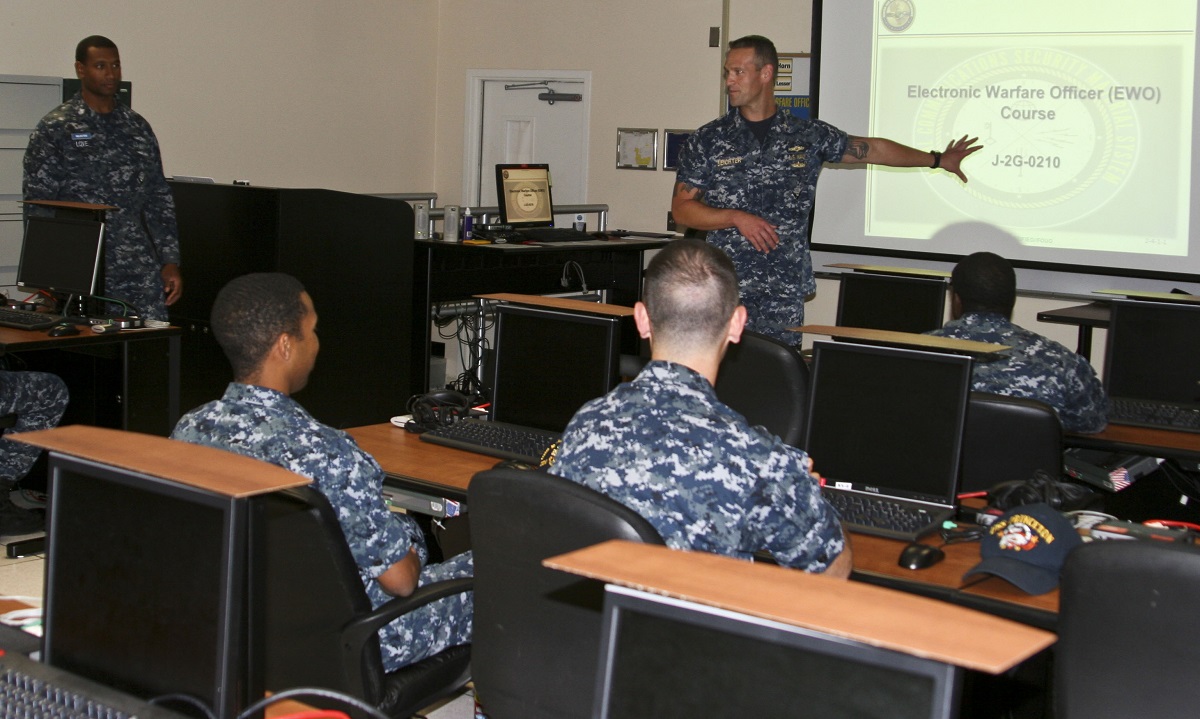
x=749 y=178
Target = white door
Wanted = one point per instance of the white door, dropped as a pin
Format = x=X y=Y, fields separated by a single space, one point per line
x=510 y=124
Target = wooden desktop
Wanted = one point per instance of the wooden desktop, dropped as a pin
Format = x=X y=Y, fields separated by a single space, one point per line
x=148 y=364
x=850 y=610
x=430 y=469
x=908 y=340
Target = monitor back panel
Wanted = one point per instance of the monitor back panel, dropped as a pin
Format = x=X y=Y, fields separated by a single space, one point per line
x=1153 y=352
x=664 y=657
x=63 y=255
x=549 y=362
x=885 y=302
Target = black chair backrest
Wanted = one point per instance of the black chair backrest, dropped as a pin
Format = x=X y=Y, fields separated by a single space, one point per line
x=313 y=591
x=537 y=631
x=1128 y=631
x=1009 y=438
x=767 y=382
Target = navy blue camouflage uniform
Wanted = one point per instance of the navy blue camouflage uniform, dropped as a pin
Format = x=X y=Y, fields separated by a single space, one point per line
x=77 y=154
x=667 y=448
x=39 y=400
x=776 y=180
x=1036 y=368
x=270 y=426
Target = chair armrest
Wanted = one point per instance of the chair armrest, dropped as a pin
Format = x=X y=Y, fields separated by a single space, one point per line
x=357 y=633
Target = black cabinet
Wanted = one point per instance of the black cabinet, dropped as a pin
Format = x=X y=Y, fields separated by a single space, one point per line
x=354 y=254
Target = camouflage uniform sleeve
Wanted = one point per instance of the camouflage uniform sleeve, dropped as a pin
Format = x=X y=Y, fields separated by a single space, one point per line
x=1086 y=409
x=378 y=537
x=790 y=518
x=42 y=165
x=694 y=164
x=159 y=210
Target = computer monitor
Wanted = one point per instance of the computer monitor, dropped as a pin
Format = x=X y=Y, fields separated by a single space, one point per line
x=62 y=255
x=548 y=362
x=1152 y=352
x=888 y=302
x=146 y=585
x=663 y=657
x=523 y=193
x=888 y=420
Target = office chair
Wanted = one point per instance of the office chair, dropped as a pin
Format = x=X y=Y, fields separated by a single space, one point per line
x=537 y=631
x=767 y=382
x=1128 y=631
x=1008 y=439
x=320 y=628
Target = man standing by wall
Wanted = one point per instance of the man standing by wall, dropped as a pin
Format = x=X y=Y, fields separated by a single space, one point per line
x=749 y=178
x=96 y=150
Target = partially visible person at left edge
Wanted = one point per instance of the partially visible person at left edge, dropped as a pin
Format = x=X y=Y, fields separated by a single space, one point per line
x=96 y=150
x=38 y=400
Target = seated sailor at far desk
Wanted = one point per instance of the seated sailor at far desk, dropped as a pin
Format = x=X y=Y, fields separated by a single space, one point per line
x=666 y=447
x=266 y=325
x=983 y=290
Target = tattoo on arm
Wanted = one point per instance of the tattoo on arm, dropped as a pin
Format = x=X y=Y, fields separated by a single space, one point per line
x=858 y=147
x=683 y=189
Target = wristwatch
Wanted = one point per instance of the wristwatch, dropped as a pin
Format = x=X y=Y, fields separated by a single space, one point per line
x=937 y=159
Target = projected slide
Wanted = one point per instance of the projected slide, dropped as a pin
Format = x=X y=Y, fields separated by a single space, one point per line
x=1085 y=111
x=1063 y=103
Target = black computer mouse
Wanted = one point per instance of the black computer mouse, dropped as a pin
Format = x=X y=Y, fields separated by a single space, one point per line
x=63 y=331
x=920 y=556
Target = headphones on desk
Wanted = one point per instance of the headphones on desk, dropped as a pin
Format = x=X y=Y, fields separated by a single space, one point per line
x=1041 y=487
x=440 y=408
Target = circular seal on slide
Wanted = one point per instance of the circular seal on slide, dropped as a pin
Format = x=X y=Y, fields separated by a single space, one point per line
x=1050 y=154
x=897 y=15
x=528 y=200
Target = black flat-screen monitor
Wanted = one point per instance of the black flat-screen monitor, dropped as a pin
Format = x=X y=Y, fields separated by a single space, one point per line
x=1153 y=351
x=888 y=420
x=523 y=193
x=665 y=658
x=887 y=302
x=146 y=585
x=63 y=255
x=548 y=362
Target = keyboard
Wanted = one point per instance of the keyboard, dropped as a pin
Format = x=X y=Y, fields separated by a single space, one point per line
x=27 y=319
x=499 y=235
x=33 y=689
x=885 y=516
x=495 y=439
x=554 y=234
x=1160 y=415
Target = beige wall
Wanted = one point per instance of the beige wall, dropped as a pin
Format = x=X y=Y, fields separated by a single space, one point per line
x=368 y=95
x=298 y=93
x=651 y=67
x=788 y=24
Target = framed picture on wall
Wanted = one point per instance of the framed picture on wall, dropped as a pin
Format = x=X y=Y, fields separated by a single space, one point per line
x=673 y=141
x=637 y=148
